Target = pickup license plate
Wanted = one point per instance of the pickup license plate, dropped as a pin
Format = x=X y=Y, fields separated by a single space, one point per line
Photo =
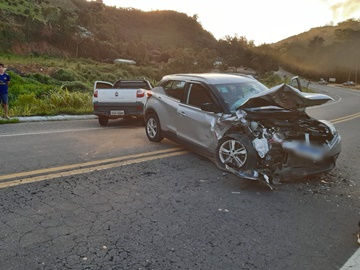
x=118 y=112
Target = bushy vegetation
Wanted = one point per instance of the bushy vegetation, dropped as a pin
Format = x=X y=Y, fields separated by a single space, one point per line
x=55 y=102
x=50 y=85
x=28 y=96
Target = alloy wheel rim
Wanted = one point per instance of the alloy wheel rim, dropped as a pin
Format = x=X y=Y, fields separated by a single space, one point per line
x=233 y=152
x=152 y=127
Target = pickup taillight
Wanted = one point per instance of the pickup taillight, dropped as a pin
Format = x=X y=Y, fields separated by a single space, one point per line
x=140 y=93
x=96 y=93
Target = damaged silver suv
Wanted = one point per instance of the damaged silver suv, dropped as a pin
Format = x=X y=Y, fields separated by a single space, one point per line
x=245 y=128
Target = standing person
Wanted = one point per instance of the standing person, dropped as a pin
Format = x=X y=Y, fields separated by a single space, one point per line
x=4 y=82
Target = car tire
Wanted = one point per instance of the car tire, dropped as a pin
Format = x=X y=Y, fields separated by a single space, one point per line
x=103 y=120
x=153 y=128
x=237 y=151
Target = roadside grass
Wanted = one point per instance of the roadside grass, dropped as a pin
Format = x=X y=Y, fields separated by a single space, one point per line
x=9 y=121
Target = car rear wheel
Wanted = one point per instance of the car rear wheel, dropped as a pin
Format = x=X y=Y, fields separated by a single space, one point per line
x=153 y=128
x=103 y=120
x=237 y=151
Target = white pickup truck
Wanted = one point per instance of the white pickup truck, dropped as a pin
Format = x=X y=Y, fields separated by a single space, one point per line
x=123 y=99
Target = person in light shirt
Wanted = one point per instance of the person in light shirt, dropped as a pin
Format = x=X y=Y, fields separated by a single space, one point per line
x=4 y=82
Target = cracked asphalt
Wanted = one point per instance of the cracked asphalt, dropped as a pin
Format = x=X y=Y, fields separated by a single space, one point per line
x=174 y=213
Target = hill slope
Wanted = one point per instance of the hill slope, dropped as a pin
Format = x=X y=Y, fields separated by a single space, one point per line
x=328 y=51
x=77 y=28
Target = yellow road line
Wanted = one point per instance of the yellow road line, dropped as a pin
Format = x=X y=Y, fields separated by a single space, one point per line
x=91 y=169
x=345 y=118
x=86 y=164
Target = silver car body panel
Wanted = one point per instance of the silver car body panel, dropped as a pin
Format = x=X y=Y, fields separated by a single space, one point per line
x=205 y=122
x=166 y=109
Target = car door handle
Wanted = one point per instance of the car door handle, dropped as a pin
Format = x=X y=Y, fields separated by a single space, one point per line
x=182 y=114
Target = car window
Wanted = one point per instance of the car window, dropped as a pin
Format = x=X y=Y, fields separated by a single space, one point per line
x=175 y=89
x=198 y=95
x=131 y=85
x=237 y=93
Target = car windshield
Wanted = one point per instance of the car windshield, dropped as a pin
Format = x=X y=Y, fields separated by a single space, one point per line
x=235 y=94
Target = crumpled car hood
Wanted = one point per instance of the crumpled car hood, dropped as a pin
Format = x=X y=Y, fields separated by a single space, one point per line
x=287 y=97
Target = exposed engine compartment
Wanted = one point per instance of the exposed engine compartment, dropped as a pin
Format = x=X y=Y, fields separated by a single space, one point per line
x=291 y=125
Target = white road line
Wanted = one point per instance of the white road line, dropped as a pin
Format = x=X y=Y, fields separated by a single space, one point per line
x=353 y=263
x=332 y=103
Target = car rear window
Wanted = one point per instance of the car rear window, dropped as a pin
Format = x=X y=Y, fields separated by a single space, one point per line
x=131 y=85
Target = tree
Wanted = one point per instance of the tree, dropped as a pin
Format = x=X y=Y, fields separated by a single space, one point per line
x=315 y=45
x=205 y=60
x=316 y=42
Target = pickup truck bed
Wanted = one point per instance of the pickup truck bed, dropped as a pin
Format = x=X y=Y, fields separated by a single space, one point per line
x=124 y=99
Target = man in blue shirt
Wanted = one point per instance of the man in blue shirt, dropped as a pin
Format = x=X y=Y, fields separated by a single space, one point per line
x=4 y=82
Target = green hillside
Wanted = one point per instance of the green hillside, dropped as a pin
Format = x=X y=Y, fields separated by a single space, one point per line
x=77 y=28
x=327 y=52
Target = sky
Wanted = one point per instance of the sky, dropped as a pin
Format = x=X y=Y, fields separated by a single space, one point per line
x=263 y=21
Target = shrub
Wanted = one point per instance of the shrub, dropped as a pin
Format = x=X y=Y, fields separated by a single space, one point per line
x=77 y=86
x=271 y=79
x=66 y=75
x=63 y=101
x=41 y=78
x=25 y=104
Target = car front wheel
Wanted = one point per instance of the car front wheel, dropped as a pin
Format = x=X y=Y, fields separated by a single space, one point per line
x=153 y=128
x=236 y=151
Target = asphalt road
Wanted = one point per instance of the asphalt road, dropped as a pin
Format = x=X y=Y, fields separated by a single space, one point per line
x=74 y=195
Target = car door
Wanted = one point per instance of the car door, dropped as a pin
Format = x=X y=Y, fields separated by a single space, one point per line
x=168 y=100
x=193 y=124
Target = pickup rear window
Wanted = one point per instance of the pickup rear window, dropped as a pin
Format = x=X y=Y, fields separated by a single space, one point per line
x=132 y=85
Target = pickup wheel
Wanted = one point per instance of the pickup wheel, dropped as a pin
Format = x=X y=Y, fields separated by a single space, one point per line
x=103 y=120
x=153 y=128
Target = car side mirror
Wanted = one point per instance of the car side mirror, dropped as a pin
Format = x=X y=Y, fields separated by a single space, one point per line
x=211 y=107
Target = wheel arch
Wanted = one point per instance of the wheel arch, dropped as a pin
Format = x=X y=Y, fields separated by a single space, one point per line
x=236 y=130
x=149 y=111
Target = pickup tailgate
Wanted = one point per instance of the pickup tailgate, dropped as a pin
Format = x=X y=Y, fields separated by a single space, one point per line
x=106 y=93
x=117 y=95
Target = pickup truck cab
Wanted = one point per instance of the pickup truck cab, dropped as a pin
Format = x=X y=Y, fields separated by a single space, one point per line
x=123 y=99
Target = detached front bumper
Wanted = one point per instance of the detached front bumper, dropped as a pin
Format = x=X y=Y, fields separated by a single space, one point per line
x=311 y=161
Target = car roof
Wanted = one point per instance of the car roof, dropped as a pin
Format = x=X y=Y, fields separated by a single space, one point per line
x=211 y=78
